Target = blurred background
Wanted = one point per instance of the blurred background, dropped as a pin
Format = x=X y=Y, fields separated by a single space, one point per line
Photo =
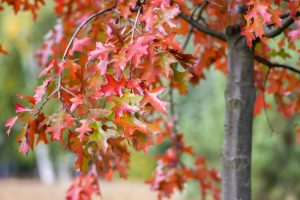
x=45 y=173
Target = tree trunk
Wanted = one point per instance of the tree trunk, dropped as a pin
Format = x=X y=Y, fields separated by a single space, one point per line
x=239 y=98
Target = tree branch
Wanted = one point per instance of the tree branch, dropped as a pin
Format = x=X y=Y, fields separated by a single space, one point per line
x=222 y=36
x=277 y=31
x=202 y=8
x=275 y=65
x=203 y=29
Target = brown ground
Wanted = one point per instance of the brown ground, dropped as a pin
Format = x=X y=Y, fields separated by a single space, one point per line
x=16 y=189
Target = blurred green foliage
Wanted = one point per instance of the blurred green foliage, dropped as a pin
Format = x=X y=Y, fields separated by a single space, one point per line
x=276 y=156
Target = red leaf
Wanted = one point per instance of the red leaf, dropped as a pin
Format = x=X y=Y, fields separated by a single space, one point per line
x=24 y=146
x=10 y=123
x=83 y=187
x=78 y=100
x=2 y=50
x=139 y=48
x=113 y=86
x=41 y=90
x=72 y=68
x=79 y=44
x=57 y=130
x=259 y=104
x=151 y=97
x=21 y=109
x=101 y=51
x=84 y=128
x=46 y=70
x=130 y=124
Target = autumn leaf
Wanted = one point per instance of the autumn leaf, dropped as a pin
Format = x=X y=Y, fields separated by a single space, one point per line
x=41 y=90
x=57 y=129
x=21 y=109
x=139 y=48
x=113 y=86
x=79 y=44
x=10 y=123
x=24 y=146
x=130 y=124
x=127 y=103
x=2 y=50
x=259 y=104
x=100 y=136
x=76 y=101
x=84 y=128
x=151 y=97
x=179 y=80
x=101 y=51
x=72 y=68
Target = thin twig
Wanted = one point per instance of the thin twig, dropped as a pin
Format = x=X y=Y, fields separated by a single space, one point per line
x=134 y=25
x=277 y=31
x=276 y=65
x=46 y=100
x=203 y=29
x=264 y=102
x=202 y=8
x=68 y=91
x=132 y=35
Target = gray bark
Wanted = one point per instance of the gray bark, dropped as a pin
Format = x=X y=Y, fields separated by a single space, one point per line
x=239 y=98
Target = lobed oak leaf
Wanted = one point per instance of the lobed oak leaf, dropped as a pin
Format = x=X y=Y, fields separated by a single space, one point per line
x=46 y=70
x=100 y=136
x=141 y=141
x=120 y=61
x=148 y=17
x=168 y=14
x=260 y=9
x=293 y=7
x=40 y=128
x=84 y=128
x=113 y=86
x=101 y=51
x=113 y=30
x=151 y=97
x=179 y=80
x=72 y=68
x=122 y=108
x=127 y=103
x=24 y=146
x=84 y=187
x=79 y=44
x=57 y=130
x=21 y=109
x=135 y=85
x=10 y=123
x=130 y=124
x=41 y=90
x=165 y=60
x=76 y=101
x=139 y=48
x=102 y=66
x=276 y=12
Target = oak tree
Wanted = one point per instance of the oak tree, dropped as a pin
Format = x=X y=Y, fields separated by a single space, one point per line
x=107 y=64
